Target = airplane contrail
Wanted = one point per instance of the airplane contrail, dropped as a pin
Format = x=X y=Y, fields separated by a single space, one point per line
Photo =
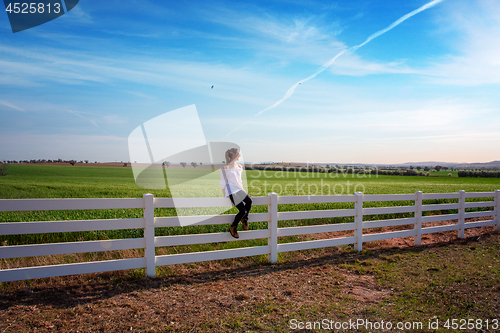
x=330 y=62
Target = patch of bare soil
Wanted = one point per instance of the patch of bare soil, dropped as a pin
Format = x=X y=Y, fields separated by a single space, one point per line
x=438 y=237
x=221 y=296
x=363 y=288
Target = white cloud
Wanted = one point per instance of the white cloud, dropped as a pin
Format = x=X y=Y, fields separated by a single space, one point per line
x=231 y=83
x=305 y=40
x=354 y=65
x=11 y=106
x=78 y=15
x=288 y=40
x=264 y=25
x=477 y=27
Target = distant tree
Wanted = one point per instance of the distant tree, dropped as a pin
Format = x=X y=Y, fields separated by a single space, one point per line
x=194 y=164
x=201 y=163
x=125 y=164
x=86 y=161
x=419 y=167
x=438 y=167
x=411 y=167
x=183 y=164
x=72 y=162
x=3 y=168
x=426 y=168
x=411 y=172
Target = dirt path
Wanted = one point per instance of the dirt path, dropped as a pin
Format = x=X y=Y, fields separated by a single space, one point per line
x=217 y=296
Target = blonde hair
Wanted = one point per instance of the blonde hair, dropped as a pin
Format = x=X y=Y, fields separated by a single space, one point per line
x=231 y=154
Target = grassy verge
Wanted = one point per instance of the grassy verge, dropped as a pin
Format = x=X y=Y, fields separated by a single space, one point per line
x=416 y=289
x=454 y=280
x=446 y=281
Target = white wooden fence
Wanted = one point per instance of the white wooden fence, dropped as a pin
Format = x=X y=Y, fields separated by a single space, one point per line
x=149 y=222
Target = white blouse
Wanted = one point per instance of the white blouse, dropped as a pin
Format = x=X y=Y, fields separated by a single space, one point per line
x=233 y=179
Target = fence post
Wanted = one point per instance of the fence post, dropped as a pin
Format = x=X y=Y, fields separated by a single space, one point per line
x=358 y=220
x=418 y=218
x=461 y=213
x=497 y=209
x=149 y=234
x=272 y=240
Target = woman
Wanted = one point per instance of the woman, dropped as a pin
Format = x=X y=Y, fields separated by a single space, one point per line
x=232 y=187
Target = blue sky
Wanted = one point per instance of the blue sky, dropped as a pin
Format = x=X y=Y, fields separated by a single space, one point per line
x=76 y=87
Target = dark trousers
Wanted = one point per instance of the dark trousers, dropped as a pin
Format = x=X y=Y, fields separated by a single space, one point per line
x=243 y=206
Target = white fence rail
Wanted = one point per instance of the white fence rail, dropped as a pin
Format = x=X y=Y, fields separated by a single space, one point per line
x=149 y=222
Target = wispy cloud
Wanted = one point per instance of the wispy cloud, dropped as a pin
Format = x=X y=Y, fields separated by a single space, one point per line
x=355 y=65
x=352 y=49
x=44 y=66
x=83 y=117
x=130 y=66
x=11 y=106
x=383 y=117
x=294 y=30
x=330 y=62
x=476 y=28
x=135 y=34
x=78 y=15
x=285 y=38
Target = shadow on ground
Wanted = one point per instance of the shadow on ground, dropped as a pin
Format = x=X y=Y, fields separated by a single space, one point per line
x=69 y=292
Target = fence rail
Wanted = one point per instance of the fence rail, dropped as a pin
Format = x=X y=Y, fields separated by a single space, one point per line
x=149 y=222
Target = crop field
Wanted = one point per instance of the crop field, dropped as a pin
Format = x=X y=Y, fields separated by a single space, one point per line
x=392 y=283
x=42 y=181
x=443 y=173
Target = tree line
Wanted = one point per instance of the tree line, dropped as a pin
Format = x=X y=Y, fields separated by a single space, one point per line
x=479 y=174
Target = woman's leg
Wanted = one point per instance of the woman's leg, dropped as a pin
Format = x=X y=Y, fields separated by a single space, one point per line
x=248 y=206
x=242 y=211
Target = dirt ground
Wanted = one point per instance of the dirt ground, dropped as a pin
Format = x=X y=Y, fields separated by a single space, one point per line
x=220 y=296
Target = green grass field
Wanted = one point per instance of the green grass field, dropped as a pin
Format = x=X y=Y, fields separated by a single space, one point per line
x=40 y=181
x=421 y=283
x=443 y=173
